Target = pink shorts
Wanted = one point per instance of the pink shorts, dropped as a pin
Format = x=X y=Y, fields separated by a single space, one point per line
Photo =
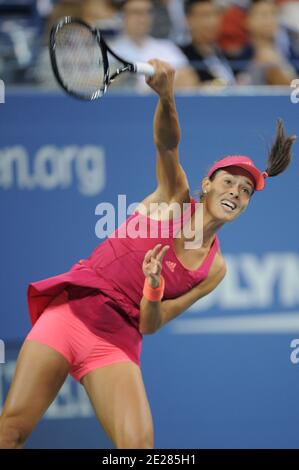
x=63 y=331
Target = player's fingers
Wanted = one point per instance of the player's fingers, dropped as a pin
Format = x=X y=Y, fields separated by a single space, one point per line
x=147 y=256
x=151 y=253
x=155 y=250
x=162 y=252
x=154 y=63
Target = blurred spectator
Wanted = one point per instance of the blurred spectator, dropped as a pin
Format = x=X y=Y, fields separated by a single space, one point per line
x=233 y=35
x=169 y=21
x=43 y=74
x=19 y=27
x=136 y=45
x=104 y=14
x=262 y=58
x=101 y=13
x=289 y=14
x=62 y=8
x=211 y=66
x=44 y=7
x=289 y=18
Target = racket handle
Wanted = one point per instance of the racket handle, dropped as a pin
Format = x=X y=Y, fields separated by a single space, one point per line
x=144 y=68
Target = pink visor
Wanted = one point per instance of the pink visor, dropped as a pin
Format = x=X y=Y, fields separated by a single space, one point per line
x=244 y=162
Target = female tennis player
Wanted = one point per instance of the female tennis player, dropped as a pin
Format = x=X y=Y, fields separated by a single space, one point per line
x=90 y=320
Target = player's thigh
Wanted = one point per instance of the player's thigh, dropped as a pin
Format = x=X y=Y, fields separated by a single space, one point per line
x=118 y=396
x=40 y=372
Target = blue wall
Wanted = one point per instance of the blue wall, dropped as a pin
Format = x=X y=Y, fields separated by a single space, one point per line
x=219 y=376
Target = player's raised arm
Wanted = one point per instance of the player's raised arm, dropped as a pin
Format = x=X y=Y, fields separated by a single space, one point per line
x=171 y=177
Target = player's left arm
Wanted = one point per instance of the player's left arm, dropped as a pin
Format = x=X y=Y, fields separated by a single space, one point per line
x=172 y=308
x=155 y=314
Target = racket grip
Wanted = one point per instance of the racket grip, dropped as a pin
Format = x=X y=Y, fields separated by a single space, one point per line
x=144 y=68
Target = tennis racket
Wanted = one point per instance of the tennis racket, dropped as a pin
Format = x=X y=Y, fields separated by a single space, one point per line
x=80 y=60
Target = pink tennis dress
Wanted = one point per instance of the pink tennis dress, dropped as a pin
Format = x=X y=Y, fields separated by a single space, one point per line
x=104 y=291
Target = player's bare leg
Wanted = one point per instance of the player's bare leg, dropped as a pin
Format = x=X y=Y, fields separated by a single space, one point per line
x=40 y=373
x=118 y=396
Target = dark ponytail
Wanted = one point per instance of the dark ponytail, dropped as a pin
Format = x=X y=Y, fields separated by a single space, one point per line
x=280 y=156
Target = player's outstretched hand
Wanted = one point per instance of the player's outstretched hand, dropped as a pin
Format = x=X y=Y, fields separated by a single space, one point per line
x=152 y=264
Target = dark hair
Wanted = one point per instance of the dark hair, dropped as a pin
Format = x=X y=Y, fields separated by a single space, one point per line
x=188 y=4
x=279 y=155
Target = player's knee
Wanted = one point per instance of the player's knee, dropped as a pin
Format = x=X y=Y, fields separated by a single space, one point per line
x=13 y=433
x=136 y=440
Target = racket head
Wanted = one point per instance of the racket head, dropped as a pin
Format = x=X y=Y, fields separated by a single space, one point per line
x=79 y=59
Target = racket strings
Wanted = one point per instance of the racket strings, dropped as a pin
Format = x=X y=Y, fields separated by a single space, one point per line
x=79 y=60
